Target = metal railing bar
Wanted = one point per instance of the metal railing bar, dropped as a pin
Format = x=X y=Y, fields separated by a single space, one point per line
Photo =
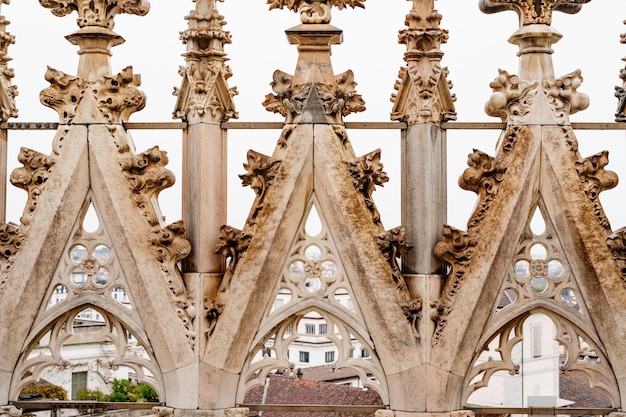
x=279 y=125
x=310 y=408
x=41 y=405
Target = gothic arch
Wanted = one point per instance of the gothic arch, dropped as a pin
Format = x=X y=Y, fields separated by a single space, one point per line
x=283 y=331
x=50 y=336
x=576 y=343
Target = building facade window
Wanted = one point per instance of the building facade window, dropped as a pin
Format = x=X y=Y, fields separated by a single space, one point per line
x=309 y=328
x=365 y=353
x=79 y=382
x=304 y=357
x=330 y=356
x=323 y=328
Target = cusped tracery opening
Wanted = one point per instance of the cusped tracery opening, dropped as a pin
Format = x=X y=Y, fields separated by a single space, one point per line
x=541 y=359
x=57 y=356
x=311 y=353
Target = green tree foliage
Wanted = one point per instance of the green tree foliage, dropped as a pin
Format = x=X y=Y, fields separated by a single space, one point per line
x=86 y=394
x=123 y=390
x=46 y=391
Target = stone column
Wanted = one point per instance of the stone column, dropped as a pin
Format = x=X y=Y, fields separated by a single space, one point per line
x=423 y=101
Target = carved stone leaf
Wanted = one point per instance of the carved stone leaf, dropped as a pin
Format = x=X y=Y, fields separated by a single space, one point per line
x=96 y=12
x=457 y=250
x=617 y=244
x=367 y=172
x=261 y=171
x=64 y=94
x=563 y=97
x=117 y=95
x=512 y=97
x=533 y=11
x=596 y=179
x=341 y=99
x=31 y=178
x=233 y=245
x=483 y=176
x=294 y=5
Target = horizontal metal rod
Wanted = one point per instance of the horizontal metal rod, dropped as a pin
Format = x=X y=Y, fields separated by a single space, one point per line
x=309 y=408
x=280 y=125
x=40 y=405
x=55 y=126
x=542 y=410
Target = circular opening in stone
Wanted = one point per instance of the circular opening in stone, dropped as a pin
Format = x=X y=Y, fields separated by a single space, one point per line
x=313 y=253
x=329 y=269
x=296 y=269
x=538 y=251
x=538 y=285
x=313 y=284
x=102 y=277
x=555 y=268
x=102 y=253
x=522 y=268
x=78 y=277
x=77 y=253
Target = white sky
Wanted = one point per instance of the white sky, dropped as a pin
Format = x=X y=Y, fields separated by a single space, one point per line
x=476 y=49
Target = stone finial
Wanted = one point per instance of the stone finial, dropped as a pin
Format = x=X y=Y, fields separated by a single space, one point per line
x=314 y=94
x=204 y=94
x=100 y=13
x=533 y=11
x=95 y=36
x=314 y=11
x=423 y=93
x=8 y=92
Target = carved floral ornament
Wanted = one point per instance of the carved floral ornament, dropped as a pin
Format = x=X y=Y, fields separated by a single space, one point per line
x=96 y=12
x=533 y=11
x=261 y=170
x=314 y=11
x=513 y=97
x=116 y=96
x=367 y=172
x=339 y=99
x=596 y=179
